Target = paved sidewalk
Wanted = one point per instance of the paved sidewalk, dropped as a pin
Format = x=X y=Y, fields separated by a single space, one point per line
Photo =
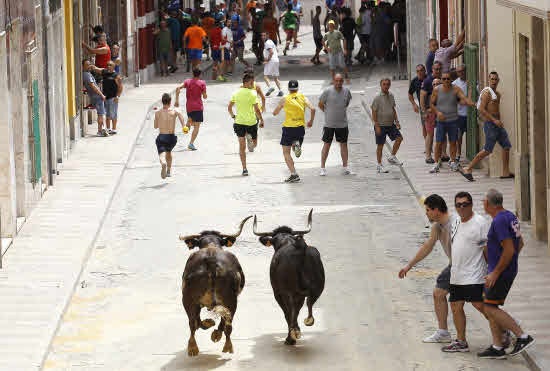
x=534 y=277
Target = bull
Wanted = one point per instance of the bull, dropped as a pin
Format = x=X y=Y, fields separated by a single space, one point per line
x=212 y=278
x=296 y=272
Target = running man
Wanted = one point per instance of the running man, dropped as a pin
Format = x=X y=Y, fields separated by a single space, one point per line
x=226 y=46
x=317 y=35
x=216 y=52
x=489 y=108
x=334 y=102
x=290 y=22
x=294 y=105
x=245 y=100
x=194 y=94
x=194 y=37
x=271 y=65
x=165 y=121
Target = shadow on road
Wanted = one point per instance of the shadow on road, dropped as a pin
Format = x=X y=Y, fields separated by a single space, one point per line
x=271 y=349
x=202 y=362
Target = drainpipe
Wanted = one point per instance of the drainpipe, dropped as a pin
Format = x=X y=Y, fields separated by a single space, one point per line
x=136 y=43
x=47 y=88
x=483 y=42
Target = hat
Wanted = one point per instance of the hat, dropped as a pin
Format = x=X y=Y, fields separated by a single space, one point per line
x=331 y=22
x=293 y=85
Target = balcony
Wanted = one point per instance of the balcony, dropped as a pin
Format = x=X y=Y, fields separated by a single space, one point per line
x=536 y=8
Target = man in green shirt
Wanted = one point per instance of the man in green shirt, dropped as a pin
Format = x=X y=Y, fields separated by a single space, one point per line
x=333 y=41
x=165 y=46
x=245 y=100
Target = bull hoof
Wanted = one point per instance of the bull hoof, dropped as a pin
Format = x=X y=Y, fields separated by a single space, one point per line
x=290 y=341
x=309 y=321
x=228 y=347
x=207 y=323
x=192 y=348
x=295 y=334
x=216 y=336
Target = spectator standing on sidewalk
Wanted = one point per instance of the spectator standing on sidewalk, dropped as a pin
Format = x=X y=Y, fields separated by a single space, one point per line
x=258 y=15
x=433 y=46
x=238 y=43
x=334 y=102
x=115 y=56
x=294 y=105
x=194 y=37
x=468 y=269
x=226 y=46
x=449 y=51
x=112 y=89
x=175 y=35
x=317 y=35
x=95 y=94
x=462 y=108
x=489 y=108
x=444 y=104
x=504 y=243
x=414 y=89
x=333 y=41
x=443 y=227
x=271 y=65
x=348 y=29
x=245 y=121
x=364 y=27
x=195 y=92
x=102 y=51
x=216 y=52
x=386 y=123
x=164 y=46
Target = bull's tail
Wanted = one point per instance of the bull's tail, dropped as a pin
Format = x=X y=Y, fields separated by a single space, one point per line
x=223 y=312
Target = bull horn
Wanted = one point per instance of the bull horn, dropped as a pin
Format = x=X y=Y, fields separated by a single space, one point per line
x=261 y=234
x=240 y=228
x=190 y=237
x=309 y=220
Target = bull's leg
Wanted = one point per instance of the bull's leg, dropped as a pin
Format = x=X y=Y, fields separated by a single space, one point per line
x=309 y=321
x=285 y=307
x=228 y=346
x=217 y=334
x=298 y=302
x=193 y=312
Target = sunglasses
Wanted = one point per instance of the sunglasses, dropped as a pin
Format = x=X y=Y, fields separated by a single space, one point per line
x=460 y=205
x=445 y=78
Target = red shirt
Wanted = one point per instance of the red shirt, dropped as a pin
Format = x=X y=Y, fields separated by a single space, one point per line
x=102 y=59
x=193 y=94
x=215 y=38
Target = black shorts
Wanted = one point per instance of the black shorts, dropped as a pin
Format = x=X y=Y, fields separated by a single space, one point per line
x=469 y=293
x=340 y=133
x=443 y=281
x=350 y=44
x=196 y=116
x=242 y=130
x=292 y=134
x=391 y=131
x=497 y=294
x=166 y=142
x=318 y=42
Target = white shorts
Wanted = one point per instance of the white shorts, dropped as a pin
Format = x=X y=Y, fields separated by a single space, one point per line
x=271 y=68
x=336 y=60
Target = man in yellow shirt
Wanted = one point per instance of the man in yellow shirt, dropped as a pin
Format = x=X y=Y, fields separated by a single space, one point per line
x=245 y=100
x=294 y=105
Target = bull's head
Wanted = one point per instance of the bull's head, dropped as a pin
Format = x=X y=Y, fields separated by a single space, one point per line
x=213 y=238
x=267 y=237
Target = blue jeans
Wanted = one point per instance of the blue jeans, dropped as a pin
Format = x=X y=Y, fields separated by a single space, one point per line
x=445 y=129
x=493 y=135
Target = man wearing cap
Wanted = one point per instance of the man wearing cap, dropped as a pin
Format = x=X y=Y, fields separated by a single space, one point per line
x=294 y=105
x=333 y=43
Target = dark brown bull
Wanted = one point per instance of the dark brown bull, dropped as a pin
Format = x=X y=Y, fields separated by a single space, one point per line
x=296 y=272
x=213 y=278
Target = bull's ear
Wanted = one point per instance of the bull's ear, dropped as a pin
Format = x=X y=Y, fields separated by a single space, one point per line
x=265 y=240
x=229 y=241
x=192 y=243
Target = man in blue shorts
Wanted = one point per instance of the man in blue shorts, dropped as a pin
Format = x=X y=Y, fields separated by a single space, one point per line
x=504 y=243
x=386 y=123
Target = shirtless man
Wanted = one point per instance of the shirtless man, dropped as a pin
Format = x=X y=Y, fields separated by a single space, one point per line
x=489 y=108
x=165 y=121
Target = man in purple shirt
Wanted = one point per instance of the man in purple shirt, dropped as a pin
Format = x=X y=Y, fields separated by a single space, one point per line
x=449 y=51
x=504 y=242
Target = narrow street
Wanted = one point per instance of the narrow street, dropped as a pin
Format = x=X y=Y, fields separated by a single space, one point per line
x=126 y=313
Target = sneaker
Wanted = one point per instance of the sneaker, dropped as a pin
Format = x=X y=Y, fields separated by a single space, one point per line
x=249 y=143
x=381 y=169
x=280 y=94
x=492 y=353
x=438 y=337
x=245 y=172
x=430 y=160
x=104 y=133
x=192 y=147
x=453 y=165
x=269 y=91
x=293 y=178
x=445 y=159
x=323 y=172
x=458 y=159
x=456 y=346
x=522 y=344
x=297 y=149
x=394 y=161
x=112 y=132
x=168 y=174
x=347 y=171
x=435 y=169
x=163 y=171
